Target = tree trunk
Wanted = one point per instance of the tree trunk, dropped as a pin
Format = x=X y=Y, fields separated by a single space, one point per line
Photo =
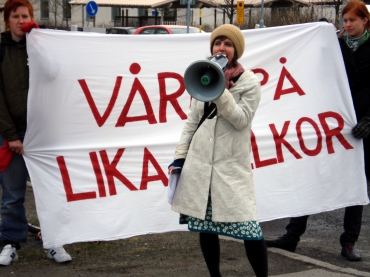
x=231 y=14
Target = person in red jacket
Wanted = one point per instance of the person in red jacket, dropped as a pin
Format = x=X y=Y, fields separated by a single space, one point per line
x=14 y=74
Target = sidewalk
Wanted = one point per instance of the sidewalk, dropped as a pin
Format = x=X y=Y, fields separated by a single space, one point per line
x=177 y=254
x=326 y=270
x=317 y=273
x=315 y=268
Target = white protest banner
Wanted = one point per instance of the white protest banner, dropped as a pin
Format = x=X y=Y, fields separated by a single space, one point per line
x=105 y=113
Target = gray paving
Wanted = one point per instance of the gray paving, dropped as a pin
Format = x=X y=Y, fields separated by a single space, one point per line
x=315 y=273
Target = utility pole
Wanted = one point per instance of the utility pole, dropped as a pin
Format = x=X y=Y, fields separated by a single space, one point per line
x=262 y=24
x=188 y=3
x=188 y=16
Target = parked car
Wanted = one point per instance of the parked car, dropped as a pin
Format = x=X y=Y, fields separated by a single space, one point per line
x=122 y=30
x=165 y=29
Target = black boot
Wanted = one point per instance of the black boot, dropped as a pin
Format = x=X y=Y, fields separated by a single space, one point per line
x=350 y=253
x=282 y=243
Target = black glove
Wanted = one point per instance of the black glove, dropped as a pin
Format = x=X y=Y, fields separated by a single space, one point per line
x=177 y=163
x=362 y=129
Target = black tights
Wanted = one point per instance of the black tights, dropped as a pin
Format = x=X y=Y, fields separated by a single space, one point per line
x=256 y=252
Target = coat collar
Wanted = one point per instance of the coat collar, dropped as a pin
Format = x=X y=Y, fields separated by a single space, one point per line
x=348 y=54
x=6 y=38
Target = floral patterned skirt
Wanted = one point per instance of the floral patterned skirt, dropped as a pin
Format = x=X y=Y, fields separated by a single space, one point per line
x=249 y=230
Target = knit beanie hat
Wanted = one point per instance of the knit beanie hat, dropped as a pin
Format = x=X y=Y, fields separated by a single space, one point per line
x=233 y=33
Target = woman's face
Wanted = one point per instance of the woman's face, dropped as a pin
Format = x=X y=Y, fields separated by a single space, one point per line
x=354 y=25
x=16 y=19
x=225 y=47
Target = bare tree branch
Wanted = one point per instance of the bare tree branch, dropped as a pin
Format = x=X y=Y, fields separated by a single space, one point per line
x=228 y=7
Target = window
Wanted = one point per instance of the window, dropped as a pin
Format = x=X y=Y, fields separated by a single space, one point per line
x=161 y=31
x=143 y=12
x=66 y=10
x=115 y=11
x=170 y=13
x=149 y=31
x=44 y=6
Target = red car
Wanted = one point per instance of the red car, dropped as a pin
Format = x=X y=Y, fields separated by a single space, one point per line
x=165 y=30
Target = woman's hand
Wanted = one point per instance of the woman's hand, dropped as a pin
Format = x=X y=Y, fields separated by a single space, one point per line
x=16 y=146
x=173 y=169
x=176 y=166
x=170 y=168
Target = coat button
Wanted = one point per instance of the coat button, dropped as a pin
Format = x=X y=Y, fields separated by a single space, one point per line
x=211 y=139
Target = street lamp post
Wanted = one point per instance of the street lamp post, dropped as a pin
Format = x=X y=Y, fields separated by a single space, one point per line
x=188 y=16
x=262 y=24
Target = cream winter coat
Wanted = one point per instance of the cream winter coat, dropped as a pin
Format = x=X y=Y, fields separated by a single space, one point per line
x=218 y=159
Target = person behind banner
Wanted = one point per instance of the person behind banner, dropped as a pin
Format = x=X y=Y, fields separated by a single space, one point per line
x=215 y=193
x=355 y=48
x=14 y=72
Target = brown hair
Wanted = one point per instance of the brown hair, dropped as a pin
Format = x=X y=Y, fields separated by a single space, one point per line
x=358 y=8
x=12 y=6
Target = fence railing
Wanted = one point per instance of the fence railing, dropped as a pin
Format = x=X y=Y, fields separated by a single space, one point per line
x=182 y=23
x=139 y=21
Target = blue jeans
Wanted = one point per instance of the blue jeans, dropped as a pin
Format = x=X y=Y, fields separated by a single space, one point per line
x=14 y=226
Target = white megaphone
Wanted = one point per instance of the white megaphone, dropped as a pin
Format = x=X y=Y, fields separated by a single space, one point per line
x=205 y=80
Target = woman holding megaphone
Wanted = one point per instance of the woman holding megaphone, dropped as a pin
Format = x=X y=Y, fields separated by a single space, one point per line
x=215 y=193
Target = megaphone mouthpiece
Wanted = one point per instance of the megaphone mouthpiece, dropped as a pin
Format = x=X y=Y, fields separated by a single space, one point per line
x=220 y=60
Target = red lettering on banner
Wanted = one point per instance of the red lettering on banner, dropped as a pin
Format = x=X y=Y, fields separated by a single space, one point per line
x=305 y=150
x=256 y=155
x=135 y=68
x=123 y=118
x=145 y=179
x=100 y=120
x=333 y=132
x=71 y=196
x=98 y=174
x=138 y=87
x=111 y=171
x=279 y=140
x=286 y=75
x=265 y=75
x=172 y=98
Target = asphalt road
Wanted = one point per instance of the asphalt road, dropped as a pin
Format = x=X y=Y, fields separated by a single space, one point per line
x=317 y=255
x=320 y=246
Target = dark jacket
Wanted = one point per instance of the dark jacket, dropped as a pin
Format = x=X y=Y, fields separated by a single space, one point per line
x=13 y=88
x=358 y=72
